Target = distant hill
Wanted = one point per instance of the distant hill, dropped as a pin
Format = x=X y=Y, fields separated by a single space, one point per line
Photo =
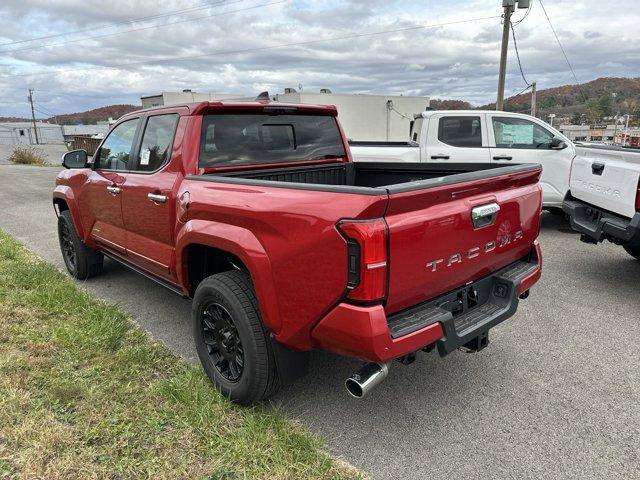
x=589 y=102
x=450 y=105
x=14 y=119
x=91 y=117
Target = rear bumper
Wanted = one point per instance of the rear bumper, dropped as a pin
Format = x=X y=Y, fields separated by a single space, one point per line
x=598 y=225
x=451 y=320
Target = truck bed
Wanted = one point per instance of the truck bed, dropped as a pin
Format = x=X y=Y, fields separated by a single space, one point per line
x=368 y=178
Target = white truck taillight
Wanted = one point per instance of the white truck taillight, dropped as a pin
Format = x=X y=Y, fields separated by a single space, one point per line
x=367 y=258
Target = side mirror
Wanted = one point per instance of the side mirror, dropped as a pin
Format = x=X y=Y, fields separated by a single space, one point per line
x=75 y=159
x=557 y=144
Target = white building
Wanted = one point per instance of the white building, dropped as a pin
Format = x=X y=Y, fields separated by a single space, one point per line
x=70 y=131
x=366 y=117
x=23 y=133
x=185 y=96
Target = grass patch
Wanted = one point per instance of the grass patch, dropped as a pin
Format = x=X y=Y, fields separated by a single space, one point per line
x=27 y=156
x=86 y=394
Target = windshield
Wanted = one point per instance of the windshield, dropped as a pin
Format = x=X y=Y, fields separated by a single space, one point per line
x=240 y=139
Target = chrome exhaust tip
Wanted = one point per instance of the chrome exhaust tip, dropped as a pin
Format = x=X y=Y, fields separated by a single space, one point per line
x=366 y=379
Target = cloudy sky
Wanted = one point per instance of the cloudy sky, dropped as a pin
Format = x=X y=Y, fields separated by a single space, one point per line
x=80 y=54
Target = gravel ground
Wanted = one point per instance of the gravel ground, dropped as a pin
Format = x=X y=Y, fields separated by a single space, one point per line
x=556 y=395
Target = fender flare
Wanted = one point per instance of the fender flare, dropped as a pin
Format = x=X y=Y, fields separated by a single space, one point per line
x=63 y=192
x=243 y=244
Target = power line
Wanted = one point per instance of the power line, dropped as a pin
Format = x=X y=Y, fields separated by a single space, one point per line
x=522 y=91
x=515 y=44
x=254 y=49
x=150 y=27
x=126 y=22
x=564 y=53
x=42 y=107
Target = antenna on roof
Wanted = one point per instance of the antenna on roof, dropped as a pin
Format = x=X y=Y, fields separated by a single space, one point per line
x=263 y=96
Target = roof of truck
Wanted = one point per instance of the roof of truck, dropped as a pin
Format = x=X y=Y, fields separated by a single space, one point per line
x=428 y=113
x=200 y=107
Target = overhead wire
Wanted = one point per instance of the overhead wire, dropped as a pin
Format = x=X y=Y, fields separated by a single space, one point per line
x=253 y=49
x=117 y=24
x=150 y=27
x=515 y=45
x=564 y=53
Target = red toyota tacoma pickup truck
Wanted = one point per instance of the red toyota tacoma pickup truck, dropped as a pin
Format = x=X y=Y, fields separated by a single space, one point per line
x=256 y=212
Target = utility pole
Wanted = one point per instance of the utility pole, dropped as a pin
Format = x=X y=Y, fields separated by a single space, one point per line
x=509 y=8
x=534 y=87
x=33 y=116
x=502 y=76
x=626 y=131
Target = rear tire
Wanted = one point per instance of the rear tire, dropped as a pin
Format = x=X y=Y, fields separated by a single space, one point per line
x=633 y=251
x=81 y=261
x=232 y=343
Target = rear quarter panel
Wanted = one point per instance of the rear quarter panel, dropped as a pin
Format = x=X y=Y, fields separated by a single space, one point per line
x=287 y=239
x=385 y=154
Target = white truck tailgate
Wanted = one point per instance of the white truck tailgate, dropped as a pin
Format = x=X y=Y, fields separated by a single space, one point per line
x=605 y=181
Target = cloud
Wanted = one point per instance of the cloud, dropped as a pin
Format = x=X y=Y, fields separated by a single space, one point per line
x=229 y=47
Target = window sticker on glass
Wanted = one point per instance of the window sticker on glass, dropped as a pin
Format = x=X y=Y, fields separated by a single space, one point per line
x=517 y=134
x=144 y=158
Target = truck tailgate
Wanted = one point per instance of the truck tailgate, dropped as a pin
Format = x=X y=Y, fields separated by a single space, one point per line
x=608 y=182
x=434 y=244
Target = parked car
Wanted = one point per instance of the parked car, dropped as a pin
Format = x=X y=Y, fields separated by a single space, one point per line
x=256 y=212
x=483 y=137
x=604 y=198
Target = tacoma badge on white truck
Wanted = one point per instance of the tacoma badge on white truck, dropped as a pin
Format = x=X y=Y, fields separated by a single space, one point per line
x=604 y=198
x=482 y=136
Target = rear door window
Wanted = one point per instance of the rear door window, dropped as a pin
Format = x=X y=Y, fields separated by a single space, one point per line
x=157 y=140
x=459 y=131
x=236 y=139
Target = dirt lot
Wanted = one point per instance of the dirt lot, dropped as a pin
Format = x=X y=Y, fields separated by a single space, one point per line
x=52 y=153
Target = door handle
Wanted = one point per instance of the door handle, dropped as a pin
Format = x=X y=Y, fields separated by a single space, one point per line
x=440 y=157
x=113 y=190
x=502 y=157
x=157 y=198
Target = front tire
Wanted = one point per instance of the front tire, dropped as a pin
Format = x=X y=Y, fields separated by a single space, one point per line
x=81 y=261
x=232 y=343
x=633 y=251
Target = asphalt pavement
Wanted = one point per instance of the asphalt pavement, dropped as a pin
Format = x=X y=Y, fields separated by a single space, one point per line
x=556 y=394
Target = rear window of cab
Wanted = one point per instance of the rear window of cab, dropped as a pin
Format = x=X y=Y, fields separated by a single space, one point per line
x=240 y=139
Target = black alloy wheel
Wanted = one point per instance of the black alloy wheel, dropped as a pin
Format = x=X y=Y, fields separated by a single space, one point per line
x=223 y=341
x=68 y=248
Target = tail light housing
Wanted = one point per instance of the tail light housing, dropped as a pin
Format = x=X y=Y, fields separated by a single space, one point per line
x=638 y=198
x=367 y=257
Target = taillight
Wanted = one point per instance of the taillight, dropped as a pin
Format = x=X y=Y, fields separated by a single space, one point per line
x=638 y=198
x=367 y=258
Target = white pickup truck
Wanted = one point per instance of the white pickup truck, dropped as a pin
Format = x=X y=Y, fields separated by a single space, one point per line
x=604 y=198
x=483 y=136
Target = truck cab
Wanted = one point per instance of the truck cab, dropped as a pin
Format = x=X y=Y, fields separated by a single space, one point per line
x=482 y=136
